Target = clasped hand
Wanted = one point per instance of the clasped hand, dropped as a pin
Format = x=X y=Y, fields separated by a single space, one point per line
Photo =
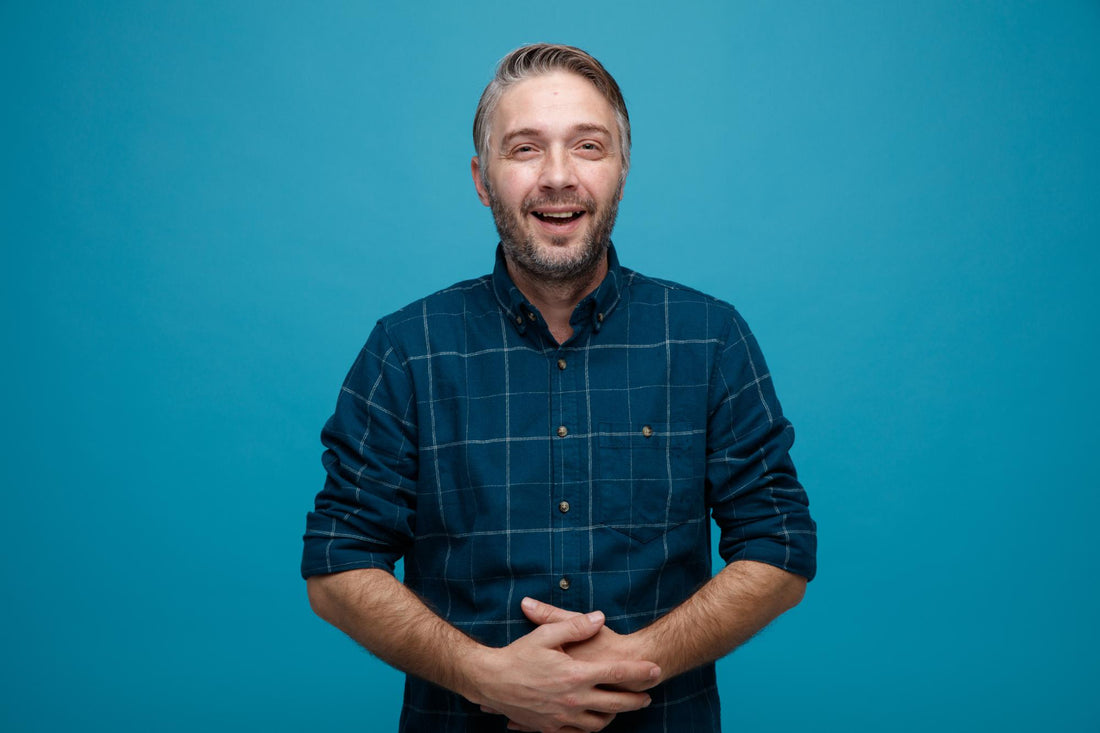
x=570 y=675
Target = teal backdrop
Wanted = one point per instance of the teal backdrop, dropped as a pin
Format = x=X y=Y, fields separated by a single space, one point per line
x=206 y=205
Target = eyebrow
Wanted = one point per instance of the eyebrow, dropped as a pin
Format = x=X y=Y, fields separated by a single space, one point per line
x=587 y=127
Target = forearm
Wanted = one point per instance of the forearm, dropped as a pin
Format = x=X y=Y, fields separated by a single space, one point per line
x=394 y=624
x=533 y=680
x=723 y=614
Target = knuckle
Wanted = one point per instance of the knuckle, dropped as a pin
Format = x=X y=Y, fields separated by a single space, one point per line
x=575 y=676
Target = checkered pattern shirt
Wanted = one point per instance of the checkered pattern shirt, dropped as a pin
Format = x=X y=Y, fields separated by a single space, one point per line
x=501 y=464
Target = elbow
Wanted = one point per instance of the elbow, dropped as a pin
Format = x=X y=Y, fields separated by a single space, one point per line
x=335 y=596
x=783 y=588
x=793 y=591
x=777 y=588
x=320 y=595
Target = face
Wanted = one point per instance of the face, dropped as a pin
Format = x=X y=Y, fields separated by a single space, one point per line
x=554 y=175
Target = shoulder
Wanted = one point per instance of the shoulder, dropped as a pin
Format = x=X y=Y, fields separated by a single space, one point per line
x=647 y=288
x=454 y=302
x=441 y=318
x=683 y=303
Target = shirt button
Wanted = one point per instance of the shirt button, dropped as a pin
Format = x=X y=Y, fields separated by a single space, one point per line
x=519 y=319
x=531 y=315
x=562 y=431
x=561 y=364
x=599 y=317
x=563 y=507
x=564 y=583
x=647 y=431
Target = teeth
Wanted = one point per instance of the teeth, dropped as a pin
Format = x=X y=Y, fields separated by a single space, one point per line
x=558 y=215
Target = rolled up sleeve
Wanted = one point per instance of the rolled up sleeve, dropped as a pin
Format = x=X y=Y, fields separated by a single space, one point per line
x=364 y=516
x=753 y=491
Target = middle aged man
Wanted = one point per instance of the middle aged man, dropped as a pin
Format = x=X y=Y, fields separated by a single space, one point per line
x=558 y=430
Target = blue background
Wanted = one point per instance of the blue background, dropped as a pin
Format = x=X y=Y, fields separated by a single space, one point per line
x=206 y=205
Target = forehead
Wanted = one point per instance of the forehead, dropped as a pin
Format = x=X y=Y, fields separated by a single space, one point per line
x=553 y=102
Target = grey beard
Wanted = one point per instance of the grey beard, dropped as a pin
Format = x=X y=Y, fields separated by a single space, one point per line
x=524 y=253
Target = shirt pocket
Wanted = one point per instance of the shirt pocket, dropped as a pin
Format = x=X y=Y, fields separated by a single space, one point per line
x=648 y=479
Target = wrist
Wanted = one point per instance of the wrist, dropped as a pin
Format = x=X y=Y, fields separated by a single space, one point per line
x=471 y=666
x=644 y=646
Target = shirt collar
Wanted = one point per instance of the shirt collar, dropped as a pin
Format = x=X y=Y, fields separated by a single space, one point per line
x=595 y=308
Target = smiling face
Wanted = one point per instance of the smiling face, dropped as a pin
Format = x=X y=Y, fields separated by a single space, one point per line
x=553 y=177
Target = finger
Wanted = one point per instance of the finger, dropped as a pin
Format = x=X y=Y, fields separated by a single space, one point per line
x=633 y=675
x=590 y=720
x=544 y=613
x=634 y=686
x=574 y=628
x=615 y=701
x=490 y=711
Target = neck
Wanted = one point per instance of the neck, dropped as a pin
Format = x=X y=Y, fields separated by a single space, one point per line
x=556 y=300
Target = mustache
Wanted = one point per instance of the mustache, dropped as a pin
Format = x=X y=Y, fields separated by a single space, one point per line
x=588 y=204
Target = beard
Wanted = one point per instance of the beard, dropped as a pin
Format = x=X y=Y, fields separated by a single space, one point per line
x=526 y=253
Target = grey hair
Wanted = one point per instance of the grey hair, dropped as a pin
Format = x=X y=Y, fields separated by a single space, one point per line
x=542 y=58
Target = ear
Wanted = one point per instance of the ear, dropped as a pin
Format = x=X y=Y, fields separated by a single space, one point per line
x=475 y=171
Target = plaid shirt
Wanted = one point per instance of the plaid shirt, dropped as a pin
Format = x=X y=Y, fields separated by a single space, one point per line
x=500 y=464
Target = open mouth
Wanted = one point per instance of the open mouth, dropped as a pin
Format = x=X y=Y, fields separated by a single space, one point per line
x=557 y=217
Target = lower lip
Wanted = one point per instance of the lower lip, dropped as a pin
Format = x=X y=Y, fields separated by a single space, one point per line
x=554 y=228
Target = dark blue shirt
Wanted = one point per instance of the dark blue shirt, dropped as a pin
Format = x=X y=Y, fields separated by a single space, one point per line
x=501 y=464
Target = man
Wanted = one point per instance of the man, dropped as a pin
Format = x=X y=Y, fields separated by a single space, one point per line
x=543 y=445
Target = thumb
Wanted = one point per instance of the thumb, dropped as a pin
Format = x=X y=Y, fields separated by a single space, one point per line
x=574 y=628
x=544 y=613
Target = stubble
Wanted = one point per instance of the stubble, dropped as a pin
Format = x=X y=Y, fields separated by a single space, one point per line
x=524 y=252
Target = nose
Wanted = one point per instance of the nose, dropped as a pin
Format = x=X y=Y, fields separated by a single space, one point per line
x=558 y=171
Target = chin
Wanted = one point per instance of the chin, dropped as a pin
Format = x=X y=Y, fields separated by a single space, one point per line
x=562 y=252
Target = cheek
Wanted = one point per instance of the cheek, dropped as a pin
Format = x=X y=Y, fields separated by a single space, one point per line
x=611 y=190
x=511 y=188
x=604 y=183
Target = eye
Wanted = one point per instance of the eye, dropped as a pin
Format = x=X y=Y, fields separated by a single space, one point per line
x=523 y=152
x=590 y=149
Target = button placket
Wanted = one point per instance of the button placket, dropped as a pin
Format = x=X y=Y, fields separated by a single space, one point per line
x=570 y=448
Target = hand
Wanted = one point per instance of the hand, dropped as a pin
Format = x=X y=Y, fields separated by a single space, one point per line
x=540 y=687
x=604 y=646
